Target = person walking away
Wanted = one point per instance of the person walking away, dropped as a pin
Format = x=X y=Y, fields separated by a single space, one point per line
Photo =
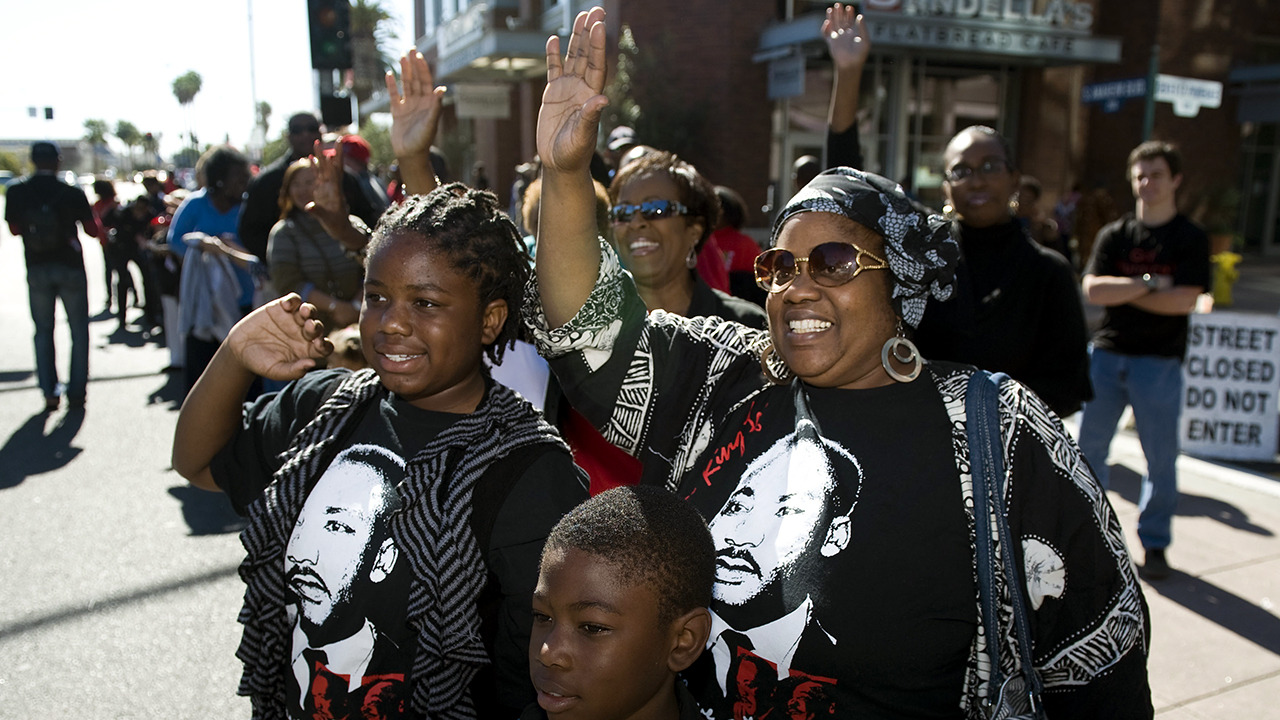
x=44 y=211
x=1146 y=271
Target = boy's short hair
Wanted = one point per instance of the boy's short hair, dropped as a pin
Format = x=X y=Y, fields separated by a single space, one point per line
x=652 y=537
x=474 y=232
x=1153 y=149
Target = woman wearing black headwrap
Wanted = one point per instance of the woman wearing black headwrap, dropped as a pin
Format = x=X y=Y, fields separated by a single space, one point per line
x=830 y=460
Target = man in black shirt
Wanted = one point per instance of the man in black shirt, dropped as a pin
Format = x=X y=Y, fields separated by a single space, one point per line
x=44 y=211
x=1147 y=270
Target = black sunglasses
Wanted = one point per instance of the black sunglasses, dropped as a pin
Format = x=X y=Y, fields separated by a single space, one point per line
x=831 y=264
x=649 y=210
x=299 y=129
x=960 y=173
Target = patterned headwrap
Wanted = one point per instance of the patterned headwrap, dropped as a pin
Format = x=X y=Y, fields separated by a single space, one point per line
x=922 y=254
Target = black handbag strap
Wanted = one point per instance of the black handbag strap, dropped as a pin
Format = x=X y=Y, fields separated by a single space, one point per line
x=986 y=466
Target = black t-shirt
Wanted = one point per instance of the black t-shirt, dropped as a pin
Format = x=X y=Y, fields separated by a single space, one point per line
x=514 y=506
x=896 y=647
x=71 y=207
x=1128 y=248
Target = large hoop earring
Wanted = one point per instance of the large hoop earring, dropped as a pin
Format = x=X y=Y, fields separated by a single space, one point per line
x=767 y=366
x=691 y=262
x=904 y=351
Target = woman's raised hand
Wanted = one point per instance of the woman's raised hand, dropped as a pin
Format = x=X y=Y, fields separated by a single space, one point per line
x=572 y=102
x=281 y=340
x=415 y=113
x=846 y=36
x=328 y=204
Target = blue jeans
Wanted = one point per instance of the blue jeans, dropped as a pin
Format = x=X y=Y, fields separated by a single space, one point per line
x=46 y=284
x=1153 y=386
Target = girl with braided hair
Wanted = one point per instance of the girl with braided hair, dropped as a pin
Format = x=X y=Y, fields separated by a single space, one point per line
x=396 y=514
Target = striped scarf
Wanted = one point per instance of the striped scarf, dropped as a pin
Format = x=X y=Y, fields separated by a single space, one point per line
x=433 y=531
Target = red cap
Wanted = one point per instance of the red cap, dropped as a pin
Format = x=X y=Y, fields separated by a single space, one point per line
x=354 y=147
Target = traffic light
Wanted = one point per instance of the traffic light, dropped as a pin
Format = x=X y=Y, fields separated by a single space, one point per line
x=330 y=34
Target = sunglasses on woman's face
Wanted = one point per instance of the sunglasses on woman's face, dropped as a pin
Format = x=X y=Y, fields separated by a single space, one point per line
x=831 y=264
x=649 y=210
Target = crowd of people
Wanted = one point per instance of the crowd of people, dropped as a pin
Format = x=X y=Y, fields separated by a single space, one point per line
x=731 y=480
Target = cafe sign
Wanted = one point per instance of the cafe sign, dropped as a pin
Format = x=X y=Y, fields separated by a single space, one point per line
x=1041 y=29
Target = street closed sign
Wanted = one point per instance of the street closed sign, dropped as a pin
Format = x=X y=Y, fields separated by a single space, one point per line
x=1230 y=386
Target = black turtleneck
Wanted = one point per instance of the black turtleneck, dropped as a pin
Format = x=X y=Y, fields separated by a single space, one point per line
x=1016 y=309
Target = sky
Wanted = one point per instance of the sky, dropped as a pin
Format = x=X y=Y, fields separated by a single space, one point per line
x=117 y=60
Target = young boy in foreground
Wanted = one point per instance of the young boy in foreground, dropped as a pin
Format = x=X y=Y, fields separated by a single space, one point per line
x=621 y=608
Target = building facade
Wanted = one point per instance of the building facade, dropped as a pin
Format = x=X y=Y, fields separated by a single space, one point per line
x=740 y=93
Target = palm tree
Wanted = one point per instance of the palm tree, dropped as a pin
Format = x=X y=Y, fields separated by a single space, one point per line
x=264 y=115
x=185 y=88
x=95 y=133
x=151 y=146
x=371 y=38
x=129 y=135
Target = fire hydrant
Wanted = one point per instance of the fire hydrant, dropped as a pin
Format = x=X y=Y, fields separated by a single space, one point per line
x=1225 y=275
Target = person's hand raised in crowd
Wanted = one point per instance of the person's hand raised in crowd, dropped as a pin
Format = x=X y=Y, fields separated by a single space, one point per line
x=328 y=203
x=415 y=113
x=281 y=340
x=572 y=102
x=846 y=36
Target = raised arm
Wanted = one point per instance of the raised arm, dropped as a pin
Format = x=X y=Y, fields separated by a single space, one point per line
x=280 y=340
x=415 y=117
x=568 y=251
x=846 y=36
x=329 y=203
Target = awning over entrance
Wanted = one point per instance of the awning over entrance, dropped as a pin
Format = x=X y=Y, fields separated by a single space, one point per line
x=1023 y=39
x=1258 y=89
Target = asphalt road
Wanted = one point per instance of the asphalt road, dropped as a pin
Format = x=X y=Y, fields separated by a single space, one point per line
x=118 y=585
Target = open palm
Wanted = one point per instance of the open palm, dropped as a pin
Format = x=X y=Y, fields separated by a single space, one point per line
x=280 y=340
x=845 y=33
x=415 y=113
x=572 y=103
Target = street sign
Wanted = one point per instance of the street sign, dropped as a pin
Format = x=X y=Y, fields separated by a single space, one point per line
x=1231 y=386
x=786 y=77
x=1188 y=95
x=1112 y=93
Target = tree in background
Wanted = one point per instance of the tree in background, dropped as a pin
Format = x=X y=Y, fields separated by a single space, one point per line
x=95 y=133
x=185 y=89
x=151 y=146
x=129 y=135
x=264 y=116
x=622 y=108
x=371 y=40
x=647 y=104
x=379 y=138
x=11 y=163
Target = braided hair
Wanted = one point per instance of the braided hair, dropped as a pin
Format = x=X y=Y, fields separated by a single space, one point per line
x=471 y=229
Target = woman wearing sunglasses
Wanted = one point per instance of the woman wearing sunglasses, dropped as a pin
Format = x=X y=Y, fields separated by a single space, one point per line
x=1017 y=306
x=663 y=212
x=830 y=460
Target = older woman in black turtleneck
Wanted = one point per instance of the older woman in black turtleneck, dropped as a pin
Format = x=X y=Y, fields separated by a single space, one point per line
x=1017 y=306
